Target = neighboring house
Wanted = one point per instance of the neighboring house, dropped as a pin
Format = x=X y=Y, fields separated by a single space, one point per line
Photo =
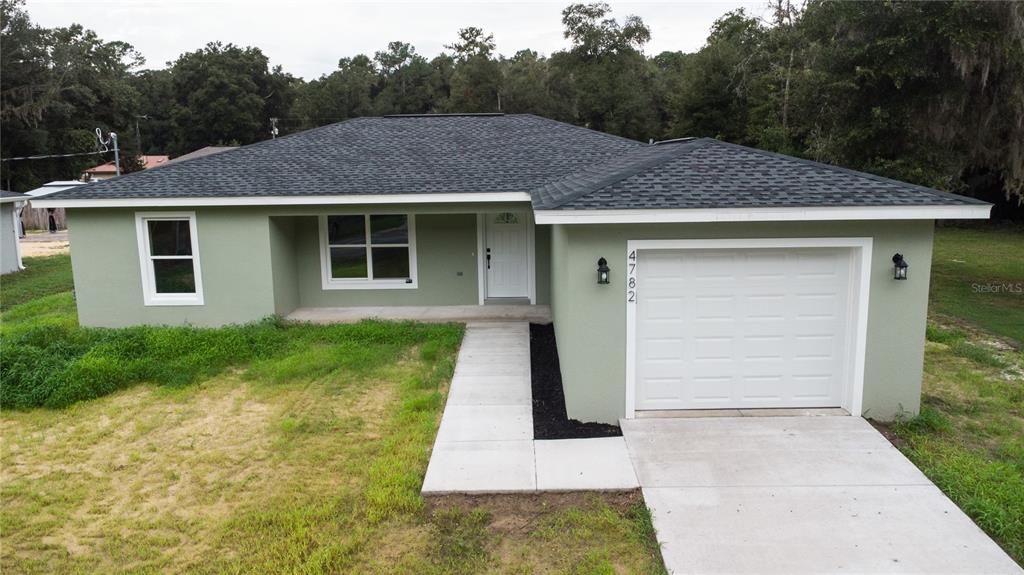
x=109 y=170
x=207 y=151
x=39 y=218
x=737 y=278
x=10 y=249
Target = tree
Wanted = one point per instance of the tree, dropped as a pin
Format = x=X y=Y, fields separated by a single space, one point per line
x=345 y=93
x=476 y=78
x=59 y=85
x=612 y=84
x=405 y=81
x=223 y=94
x=713 y=97
x=525 y=84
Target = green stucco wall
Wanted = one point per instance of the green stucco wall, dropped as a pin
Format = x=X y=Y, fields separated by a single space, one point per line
x=256 y=262
x=283 y=265
x=445 y=259
x=542 y=247
x=590 y=319
x=234 y=248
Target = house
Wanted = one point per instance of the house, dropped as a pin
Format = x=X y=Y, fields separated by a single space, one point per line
x=33 y=218
x=10 y=249
x=686 y=274
x=109 y=170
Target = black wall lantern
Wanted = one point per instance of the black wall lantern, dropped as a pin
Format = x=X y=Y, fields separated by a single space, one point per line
x=602 y=271
x=900 y=267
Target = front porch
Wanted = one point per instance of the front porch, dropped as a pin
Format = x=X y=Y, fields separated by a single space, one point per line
x=430 y=314
x=387 y=262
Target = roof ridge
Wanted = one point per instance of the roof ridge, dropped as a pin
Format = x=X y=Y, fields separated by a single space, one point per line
x=849 y=171
x=584 y=128
x=663 y=152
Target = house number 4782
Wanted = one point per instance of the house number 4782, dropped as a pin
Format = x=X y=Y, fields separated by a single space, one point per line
x=631 y=277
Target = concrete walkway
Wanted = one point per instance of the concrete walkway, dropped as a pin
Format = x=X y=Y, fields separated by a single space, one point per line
x=795 y=495
x=485 y=443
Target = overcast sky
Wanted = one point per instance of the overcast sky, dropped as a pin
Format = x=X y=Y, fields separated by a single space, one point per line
x=308 y=37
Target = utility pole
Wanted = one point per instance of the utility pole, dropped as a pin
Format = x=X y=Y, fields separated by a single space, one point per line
x=117 y=155
x=273 y=128
x=111 y=140
x=138 y=135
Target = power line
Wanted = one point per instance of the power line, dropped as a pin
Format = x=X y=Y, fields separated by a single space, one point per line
x=47 y=156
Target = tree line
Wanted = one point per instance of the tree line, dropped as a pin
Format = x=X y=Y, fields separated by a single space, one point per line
x=928 y=92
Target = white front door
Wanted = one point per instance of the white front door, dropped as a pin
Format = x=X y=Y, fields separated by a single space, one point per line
x=743 y=328
x=505 y=255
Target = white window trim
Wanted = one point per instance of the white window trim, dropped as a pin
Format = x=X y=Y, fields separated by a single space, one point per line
x=860 y=286
x=149 y=295
x=329 y=283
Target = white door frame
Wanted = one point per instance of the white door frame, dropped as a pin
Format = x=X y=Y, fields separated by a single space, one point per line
x=481 y=251
x=860 y=288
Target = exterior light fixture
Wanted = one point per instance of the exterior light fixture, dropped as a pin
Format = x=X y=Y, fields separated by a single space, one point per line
x=602 y=271
x=900 y=267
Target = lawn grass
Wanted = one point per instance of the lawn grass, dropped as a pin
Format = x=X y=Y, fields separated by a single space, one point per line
x=969 y=436
x=42 y=276
x=978 y=277
x=268 y=448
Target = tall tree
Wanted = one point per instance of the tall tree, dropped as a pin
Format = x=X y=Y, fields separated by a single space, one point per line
x=476 y=77
x=226 y=94
x=59 y=85
x=713 y=96
x=612 y=82
x=345 y=93
x=405 y=81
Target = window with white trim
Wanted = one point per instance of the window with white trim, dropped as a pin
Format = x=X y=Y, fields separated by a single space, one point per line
x=169 y=258
x=368 y=251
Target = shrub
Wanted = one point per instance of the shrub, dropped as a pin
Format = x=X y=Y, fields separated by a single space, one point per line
x=51 y=361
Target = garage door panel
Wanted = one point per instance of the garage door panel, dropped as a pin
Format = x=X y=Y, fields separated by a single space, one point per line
x=742 y=328
x=711 y=388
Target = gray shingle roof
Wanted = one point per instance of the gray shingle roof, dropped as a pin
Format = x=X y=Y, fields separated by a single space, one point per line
x=563 y=167
x=708 y=173
x=391 y=155
x=8 y=196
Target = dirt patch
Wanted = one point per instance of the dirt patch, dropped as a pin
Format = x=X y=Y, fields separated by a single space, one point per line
x=37 y=246
x=519 y=513
x=550 y=419
x=886 y=430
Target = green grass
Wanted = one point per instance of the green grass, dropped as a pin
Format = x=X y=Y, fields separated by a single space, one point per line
x=978 y=277
x=41 y=276
x=265 y=448
x=969 y=436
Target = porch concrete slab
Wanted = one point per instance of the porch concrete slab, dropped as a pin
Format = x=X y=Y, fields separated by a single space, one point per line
x=793 y=495
x=823 y=529
x=486 y=423
x=481 y=467
x=600 y=464
x=436 y=314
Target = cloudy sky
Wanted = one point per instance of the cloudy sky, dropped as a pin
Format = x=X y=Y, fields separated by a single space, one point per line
x=308 y=37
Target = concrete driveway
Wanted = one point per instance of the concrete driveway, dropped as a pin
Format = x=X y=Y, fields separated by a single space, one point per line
x=798 y=495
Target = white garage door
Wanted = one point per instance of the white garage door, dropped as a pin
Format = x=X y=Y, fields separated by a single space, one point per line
x=743 y=328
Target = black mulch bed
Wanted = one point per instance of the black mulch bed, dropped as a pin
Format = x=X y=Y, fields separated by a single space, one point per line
x=550 y=420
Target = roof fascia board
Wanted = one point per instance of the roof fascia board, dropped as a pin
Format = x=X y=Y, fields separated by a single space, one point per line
x=451 y=198
x=697 y=215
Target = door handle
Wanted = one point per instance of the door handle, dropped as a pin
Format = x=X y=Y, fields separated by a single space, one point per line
x=488 y=258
